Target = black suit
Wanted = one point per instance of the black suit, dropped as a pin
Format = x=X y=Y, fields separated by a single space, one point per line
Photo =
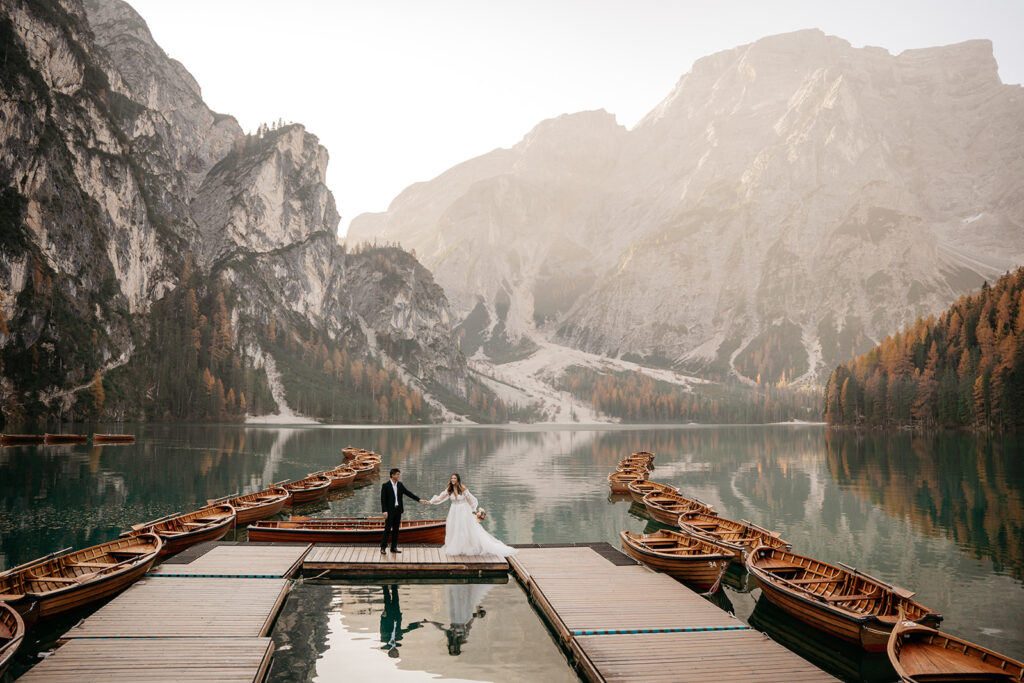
x=393 y=509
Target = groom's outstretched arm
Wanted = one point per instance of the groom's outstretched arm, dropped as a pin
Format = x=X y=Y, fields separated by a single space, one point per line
x=407 y=492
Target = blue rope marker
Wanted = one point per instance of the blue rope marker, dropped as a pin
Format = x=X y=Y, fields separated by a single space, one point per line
x=627 y=631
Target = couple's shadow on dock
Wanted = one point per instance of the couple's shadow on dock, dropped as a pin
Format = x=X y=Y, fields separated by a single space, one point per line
x=463 y=609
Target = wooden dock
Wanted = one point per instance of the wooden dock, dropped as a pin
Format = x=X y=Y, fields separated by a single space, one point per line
x=183 y=607
x=205 y=615
x=238 y=560
x=196 y=660
x=420 y=561
x=622 y=622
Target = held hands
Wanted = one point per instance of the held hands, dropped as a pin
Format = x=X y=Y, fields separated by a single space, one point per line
x=425 y=502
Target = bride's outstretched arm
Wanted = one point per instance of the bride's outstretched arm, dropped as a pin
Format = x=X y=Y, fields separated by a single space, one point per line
x=439 y=498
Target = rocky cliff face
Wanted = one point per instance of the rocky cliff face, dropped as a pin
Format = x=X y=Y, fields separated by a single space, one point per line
x=130 y=211
x=790 y=202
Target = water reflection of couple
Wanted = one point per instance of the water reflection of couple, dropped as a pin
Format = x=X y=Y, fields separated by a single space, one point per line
x=463 y=609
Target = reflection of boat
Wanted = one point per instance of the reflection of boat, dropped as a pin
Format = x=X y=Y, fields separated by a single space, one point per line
x=256 y=506
x=305 y=490
x=739 y=579
x=113 y=438
x=682 y=557
x=839 y=658
x=841 y=601
x=65 y=438
x=20 y=439
x=619 y=480
x=919 y=654
x=345 y=530
x=739 y=538
x=61 y=583
x=666 y=507
x=639 y=489
x=181 y=531
x=12 y=632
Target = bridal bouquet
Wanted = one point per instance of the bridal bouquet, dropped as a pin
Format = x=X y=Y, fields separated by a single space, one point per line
x=481 y=514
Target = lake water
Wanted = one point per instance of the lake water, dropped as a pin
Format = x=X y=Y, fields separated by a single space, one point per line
x=941 y=515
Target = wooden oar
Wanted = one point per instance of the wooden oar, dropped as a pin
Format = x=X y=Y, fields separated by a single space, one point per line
x=902 y=592
x=36 y=561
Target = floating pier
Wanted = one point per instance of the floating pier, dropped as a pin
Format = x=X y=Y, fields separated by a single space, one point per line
x=622 y=622
x=419 y=561
x=205 y=615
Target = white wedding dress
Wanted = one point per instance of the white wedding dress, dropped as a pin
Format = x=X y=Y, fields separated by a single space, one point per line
x=463 y=534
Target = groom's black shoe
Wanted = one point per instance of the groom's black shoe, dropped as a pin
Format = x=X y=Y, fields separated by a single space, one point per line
x=396 y=550
x=383 y=552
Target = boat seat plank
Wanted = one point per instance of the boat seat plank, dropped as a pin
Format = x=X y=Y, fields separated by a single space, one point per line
x=851 y=598
x=807 y=582
x=92 y=564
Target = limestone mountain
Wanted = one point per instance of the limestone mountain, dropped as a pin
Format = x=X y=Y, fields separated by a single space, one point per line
x=158 y=262
x=790 y=202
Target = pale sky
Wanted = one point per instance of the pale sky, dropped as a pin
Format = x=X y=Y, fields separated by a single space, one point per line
x=401 y=90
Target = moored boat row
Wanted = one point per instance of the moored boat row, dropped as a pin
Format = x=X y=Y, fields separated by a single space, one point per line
x=59 y=439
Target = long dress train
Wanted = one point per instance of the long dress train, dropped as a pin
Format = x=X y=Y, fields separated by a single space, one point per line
x=463 y=534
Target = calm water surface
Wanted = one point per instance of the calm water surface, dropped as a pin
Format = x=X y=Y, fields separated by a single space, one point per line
x=942 y=515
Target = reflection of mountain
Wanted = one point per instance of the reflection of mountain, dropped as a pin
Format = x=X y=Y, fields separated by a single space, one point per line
x=969 y=489
x=300 y=634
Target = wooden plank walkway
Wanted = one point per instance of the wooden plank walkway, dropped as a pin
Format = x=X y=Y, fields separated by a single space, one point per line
x=414 y=561
x=263 y=561
x=622 y=622
x=184 y=607
x=134 y=659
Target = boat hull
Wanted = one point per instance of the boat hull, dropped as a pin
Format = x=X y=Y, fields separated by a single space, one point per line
x=700 y=571
x=12 y=630
x=21 y=439
x=869 y=630
x=422 y=534
x=65 y=438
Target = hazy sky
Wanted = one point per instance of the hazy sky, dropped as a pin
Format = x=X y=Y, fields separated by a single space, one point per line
x=399 y=91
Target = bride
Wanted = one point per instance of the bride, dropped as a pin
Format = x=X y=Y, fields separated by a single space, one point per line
x=463 y=534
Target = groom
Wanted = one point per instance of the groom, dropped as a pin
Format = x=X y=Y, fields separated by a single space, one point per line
x=391 y=493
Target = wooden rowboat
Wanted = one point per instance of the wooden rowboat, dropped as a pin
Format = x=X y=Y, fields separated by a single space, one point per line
x=370 y=459
x=12 y=632
x=65 y=581
x=113 y=438
x=739 y=538
x=181 y=531
x=618 y=481
x=253 y=507
x=666 y=507
x=313 y=487
x=919 y=654
x=345 y=530
x=364 y=470
x=842 y=601
x=20 y=439
x=685 y=558
x=65 y=438
x=640 y=488
x=339 y=476
x=350 y=452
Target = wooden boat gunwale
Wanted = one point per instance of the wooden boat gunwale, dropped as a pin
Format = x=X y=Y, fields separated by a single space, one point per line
x=313 y=487
x=12 y=621
x=251 y=507
x=904 y=630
